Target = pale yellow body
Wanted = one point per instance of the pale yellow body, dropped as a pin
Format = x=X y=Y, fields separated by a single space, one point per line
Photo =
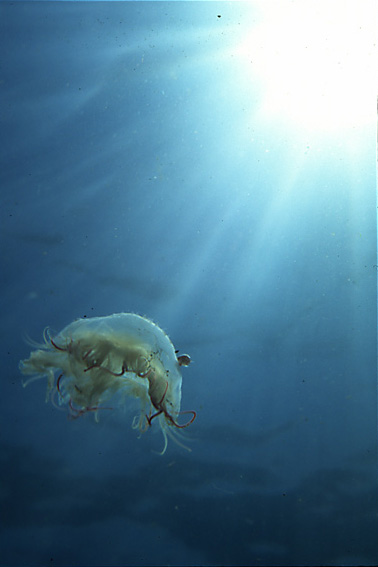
x=91 y=360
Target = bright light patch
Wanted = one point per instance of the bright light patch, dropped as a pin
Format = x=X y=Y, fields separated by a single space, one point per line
x=315 y=62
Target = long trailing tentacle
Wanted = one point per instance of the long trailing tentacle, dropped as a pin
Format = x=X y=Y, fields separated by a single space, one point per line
x=179 y=426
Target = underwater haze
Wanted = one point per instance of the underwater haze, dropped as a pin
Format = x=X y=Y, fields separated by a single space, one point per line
x=209 y=166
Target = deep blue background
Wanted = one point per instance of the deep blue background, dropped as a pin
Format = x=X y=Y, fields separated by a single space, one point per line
x=136 y=176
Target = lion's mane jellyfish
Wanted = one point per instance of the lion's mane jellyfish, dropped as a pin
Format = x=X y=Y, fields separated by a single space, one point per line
x=93 y=359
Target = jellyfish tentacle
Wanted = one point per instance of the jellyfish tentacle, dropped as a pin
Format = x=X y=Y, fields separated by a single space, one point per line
x=123 y=369
x=151 y=417
x=158 y=406
x=184 y=424
x=58 y=347
x=58 y=383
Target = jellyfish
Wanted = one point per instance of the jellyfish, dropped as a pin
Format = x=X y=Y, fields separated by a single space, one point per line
x=93 y=359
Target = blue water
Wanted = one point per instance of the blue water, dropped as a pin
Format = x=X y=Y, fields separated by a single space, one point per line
x=143 y=170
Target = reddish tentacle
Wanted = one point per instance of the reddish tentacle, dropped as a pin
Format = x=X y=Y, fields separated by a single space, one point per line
x=151 y=417
x=76 y=412
x=180 y=413
x=57 y=347
x=144 y=374
x=58 y=383
x=87 y=353
x=162 y=399
x=123 y=370
x=157 y=406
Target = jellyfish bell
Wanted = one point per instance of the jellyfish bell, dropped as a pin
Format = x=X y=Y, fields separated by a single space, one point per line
x=91 y=360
